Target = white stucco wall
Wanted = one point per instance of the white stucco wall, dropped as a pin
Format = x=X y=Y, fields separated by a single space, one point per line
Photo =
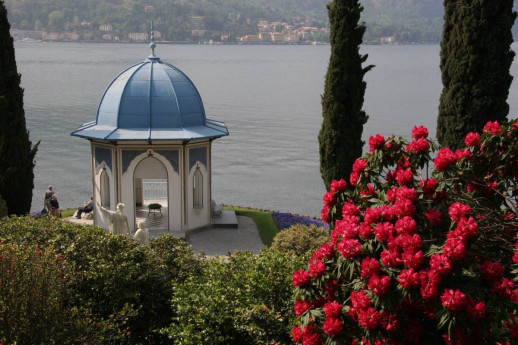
x=198 y=217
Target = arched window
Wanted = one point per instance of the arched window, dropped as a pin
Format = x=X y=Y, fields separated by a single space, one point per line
x=105 y=190
x=197 y=189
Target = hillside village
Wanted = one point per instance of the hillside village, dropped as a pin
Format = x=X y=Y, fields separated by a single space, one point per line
x=267 y=33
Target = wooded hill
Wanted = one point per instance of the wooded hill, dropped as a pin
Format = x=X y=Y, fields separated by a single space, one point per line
x=407 y=20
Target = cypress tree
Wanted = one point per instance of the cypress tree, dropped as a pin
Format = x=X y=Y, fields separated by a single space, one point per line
x=16 y=153
x=340 y=137
x=476 y=57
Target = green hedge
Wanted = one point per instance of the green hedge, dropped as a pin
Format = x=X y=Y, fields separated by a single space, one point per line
x=300 y=239
x=121 y=287
x=239 y=299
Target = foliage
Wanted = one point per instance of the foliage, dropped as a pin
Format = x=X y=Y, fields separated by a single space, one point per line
x=285 y=220
x=415 y=259
x=264 y=221
x=16 y=153
x=3 y=207
x=33 y=308
x=343 y=118
x=476 y=57
x=118 y=283
x=239 y=299
x=299 y=239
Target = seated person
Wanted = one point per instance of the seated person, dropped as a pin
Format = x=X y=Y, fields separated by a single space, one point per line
x=54 y=206
x=87 y=207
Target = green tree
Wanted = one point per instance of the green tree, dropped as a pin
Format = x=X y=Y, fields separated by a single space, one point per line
x=56 y=19
x=476 y=57
x=340 y=137
x=16 y=153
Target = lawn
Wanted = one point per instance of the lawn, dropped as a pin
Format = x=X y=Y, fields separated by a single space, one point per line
x=263 y=219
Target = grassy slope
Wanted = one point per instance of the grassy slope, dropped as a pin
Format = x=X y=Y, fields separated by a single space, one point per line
x=264 y=221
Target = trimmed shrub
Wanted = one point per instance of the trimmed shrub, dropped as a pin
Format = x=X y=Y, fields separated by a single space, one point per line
x=238 y=299
x=300 y=239
x=118 y=282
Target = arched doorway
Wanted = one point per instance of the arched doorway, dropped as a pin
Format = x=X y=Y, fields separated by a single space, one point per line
x=151 y=194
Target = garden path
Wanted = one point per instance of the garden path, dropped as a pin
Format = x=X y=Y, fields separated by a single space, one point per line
x=215 y=241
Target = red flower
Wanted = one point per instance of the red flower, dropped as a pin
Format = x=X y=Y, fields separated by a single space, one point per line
x=301 y=278
x=333 y=327
x=409 y=279
x=301 y=307
x=493 y=128
x=455 y=248
x=406 y=225
x=370 y=267
x=350 y=209
x=333 y=310
x=349 y=248
x=369 y=319
x=390 y=322
x=360 y=165
x=338 y=186
x=353 y=179
x=310 y=336
x=477 y=311
x=459 y=210
x=329 y=199
x=445 y=159
x=384 y=231
x=429 y=186
x=296 y=333
x=325 y=213
x=492 y=271
x=317 y=268
x=372 y=215
x=327 y=250
x=454 y=300
x=360 y=300
x=441 y=264
x=376 y=142
x=390 y=258
x=434 y=216
x=419 y=146
x=407 y=193
x=503 y=289
x=413 y=260
x=404 y=208
x=404 y=177
x=472 y=140
x=388 y=213
x=380 y=285
x=419 y=132
x=366 y=230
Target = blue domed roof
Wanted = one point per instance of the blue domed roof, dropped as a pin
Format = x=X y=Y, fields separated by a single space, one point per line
x=151 y=100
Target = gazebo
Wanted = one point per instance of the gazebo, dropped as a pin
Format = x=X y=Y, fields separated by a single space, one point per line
x=151 y=149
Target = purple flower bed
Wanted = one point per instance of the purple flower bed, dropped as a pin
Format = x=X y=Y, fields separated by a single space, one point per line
x=36 y=214
x=285 y=220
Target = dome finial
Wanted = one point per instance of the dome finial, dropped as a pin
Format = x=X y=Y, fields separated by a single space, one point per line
x=152 y=45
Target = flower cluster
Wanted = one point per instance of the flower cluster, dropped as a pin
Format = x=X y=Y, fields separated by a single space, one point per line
x=285 y=220
x=427 y=252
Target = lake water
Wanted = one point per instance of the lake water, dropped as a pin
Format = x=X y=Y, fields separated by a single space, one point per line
x=269 y=97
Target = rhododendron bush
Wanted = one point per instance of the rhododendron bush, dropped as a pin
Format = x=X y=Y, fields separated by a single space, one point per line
x=422 y=250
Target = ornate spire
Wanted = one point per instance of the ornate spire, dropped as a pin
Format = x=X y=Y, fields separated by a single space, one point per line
x=152 y=45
